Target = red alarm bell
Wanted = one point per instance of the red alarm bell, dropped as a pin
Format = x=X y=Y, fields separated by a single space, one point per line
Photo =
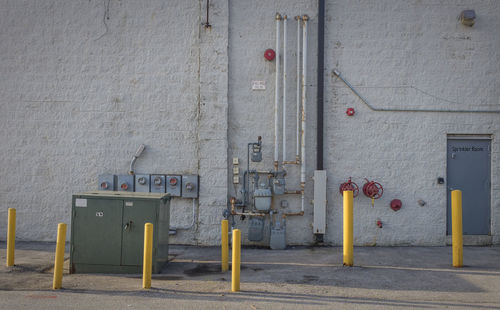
x=269 y=54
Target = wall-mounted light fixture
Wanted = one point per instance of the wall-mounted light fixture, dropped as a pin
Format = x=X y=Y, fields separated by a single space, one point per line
x=467 y=17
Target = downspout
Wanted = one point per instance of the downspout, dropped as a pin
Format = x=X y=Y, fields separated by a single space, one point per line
x=319 y=95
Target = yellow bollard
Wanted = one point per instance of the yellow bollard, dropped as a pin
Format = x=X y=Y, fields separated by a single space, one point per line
x=235 y=284
x=11 y=237
x=225 y=246
x=59 y=261
x=348 y=225
x=148 y=255
x=456 y=228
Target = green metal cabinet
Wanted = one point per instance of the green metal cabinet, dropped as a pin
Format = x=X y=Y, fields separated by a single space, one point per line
x=107 y=231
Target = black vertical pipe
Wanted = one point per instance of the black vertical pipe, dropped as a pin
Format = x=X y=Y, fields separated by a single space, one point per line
x=319 y=96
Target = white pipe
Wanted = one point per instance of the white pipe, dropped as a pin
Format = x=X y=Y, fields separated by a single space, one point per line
x=304 y=98
x=277 y=90
x=303 y=124
x=297 y=153
x=284 y=86
x=302 y=198
x=192 y=221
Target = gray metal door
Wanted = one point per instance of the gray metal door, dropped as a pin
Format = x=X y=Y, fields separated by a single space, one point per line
x=98 y=232
x=135 y=215
x=468 y=169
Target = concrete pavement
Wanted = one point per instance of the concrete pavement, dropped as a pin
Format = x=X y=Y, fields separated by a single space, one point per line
x=302 y=277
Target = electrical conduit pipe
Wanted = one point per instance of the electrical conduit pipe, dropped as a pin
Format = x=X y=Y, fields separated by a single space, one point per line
x=277 y=91
x=305 y=18
x=297 y=154
x=284 y=85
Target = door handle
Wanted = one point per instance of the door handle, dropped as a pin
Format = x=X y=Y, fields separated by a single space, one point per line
x=127 y=226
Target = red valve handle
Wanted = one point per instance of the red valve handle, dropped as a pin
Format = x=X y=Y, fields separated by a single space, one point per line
x=349 y=186
x=373 y=189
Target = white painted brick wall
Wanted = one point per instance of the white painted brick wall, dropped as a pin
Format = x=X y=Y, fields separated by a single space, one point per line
x=77 y=101
x=390 y=50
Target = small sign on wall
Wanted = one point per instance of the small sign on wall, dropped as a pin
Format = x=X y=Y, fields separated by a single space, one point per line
x=258 y=85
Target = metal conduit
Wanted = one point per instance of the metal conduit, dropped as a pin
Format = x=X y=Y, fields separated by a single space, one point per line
x=192 y=220
x=305 y=18
x=297 y=154
x=365 y=101
x=284 y=85
x=277 y=91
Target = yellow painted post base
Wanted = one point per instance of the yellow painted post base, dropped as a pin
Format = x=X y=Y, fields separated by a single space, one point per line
x=11 y=237
x=456 y=228
x=348 y=227
x=235 y=284
x=147 y=267
x=224 y=246
x=59 y=260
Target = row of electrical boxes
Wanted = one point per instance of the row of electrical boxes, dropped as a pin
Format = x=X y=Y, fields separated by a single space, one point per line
x=186 y=186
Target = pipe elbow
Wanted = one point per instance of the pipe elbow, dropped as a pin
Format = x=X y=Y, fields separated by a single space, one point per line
x=278 y=16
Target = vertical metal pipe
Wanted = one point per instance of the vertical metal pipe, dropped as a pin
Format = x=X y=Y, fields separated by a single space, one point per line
x=297 y=153
x=305 y=18
x=277 y=91
x=284 y=86
x=456 y=228
x=320 y=89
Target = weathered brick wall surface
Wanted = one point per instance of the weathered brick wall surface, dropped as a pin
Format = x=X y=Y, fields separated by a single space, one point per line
x=80 y=91
x=406 y=54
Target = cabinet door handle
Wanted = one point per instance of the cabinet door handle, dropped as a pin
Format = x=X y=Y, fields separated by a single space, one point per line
x=128 y=225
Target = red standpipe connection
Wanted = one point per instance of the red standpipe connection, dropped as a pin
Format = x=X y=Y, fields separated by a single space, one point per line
x=373 y=189
x=396 y=204
x=349 y=186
